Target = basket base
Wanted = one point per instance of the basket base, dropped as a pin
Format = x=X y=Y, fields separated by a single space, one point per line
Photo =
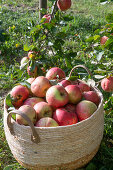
x=68 y=166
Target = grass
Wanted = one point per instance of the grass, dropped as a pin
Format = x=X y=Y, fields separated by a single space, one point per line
x=20 y=16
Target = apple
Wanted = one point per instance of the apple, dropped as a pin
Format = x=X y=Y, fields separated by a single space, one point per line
x=57 y=96
x=75 y=94
x=43 y=109
x=74 y=82
x=64 y=82
x=46 y=122
x=103 y=40
x=18 y=94
x=63 y=117
x=107 y=84
x=63 y=5
x=55 y=73
x=24 y=61
x=32 y=101
x=33 y=72
x=30 y=80
x=83 y=86
x=29 y=111
x=32 y=54
x=70 y=107
x=85 y=109
x=92 y=96
x=47 y=18
x=40 y=85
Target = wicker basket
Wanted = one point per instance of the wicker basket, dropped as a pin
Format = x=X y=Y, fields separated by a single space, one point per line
x=53 y=148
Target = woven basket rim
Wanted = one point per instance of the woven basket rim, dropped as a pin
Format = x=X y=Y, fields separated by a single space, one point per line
x=67 y=126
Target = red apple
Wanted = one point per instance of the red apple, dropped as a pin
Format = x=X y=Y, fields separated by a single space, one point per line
x=64 y=83
x=47 y=18
x=75 y=94
x=46 y=122
x=63 y=117
x=85 y=109
x=107 y=84
x=83 y=86
x=43 y=109
x=54 y=73
x=103 y=40
x=18 y=94
x=74 y=82
x=40 y=85
x=29 y=111
x=33 y=72
x=57 y=96
x=70 y=107
x=32 y=101
x=92 y=96
x=30 y=80
x=64 y=5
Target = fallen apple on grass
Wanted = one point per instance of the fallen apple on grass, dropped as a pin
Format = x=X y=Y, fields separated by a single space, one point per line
x=18 y=94
x=40 y=85
x=64 y=117
x=57 y=96
x=85 y=109
x=29 y=111
x=46 y=122
x=43 y=109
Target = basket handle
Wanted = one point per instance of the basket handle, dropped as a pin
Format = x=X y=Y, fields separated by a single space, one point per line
x=78 y=67
x=34 y=137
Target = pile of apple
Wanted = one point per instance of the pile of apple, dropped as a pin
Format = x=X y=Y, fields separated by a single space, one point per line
x=48 y=104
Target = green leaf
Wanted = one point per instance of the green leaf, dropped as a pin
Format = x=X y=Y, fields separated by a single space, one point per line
x=73 y=78
x=26 y=47
x=108 y=42
x=9 y=101
x=89 y=39
x=25 y=83
x=96 y=37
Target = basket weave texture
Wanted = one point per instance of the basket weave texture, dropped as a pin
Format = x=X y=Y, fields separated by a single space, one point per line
x=63 y=147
